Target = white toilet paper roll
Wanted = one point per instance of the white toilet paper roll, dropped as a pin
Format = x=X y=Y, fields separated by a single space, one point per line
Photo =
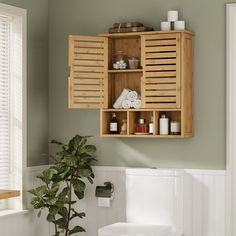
x=179 y=25
x=165 y=25
x=104 y=202
x=173 y=16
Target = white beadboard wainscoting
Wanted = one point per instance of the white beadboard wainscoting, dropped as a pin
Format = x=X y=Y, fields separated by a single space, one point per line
x=204 y=205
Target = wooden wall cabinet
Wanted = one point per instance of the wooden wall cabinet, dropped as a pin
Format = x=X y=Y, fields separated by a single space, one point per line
x=164 y=78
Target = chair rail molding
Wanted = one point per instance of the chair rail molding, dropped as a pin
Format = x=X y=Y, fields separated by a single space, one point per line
x=231 y=118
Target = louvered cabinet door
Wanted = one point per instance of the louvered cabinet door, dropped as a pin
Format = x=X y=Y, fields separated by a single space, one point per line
x=88 y=61
x=161 y=71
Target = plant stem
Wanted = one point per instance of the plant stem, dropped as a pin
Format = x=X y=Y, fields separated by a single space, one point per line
x=55 y=228
x=69 y=209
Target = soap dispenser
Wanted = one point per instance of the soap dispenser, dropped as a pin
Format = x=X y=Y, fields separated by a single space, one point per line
x=164 y=125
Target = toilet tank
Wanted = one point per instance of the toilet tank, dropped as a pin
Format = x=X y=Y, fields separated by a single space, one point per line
x=155 y=196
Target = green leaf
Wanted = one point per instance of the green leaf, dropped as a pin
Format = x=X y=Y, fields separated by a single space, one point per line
x=63 y=212
x=71 y=160
x=64 y=195
x=75 y=142
x=56 y=142
x=55 y=187
x=37 y=202
x=62 y=223
x=90 y=180
x=57 y=178
x=76 y=214
x=39 y=192
x=79 y=185
x=50 y=217
x=88 y=149
x=79 y=195
x=76 y=229
x=65 y=173
x=52 y=201
x=53 y=210
x=48 y=175
x=85 y=172
x=41 y=177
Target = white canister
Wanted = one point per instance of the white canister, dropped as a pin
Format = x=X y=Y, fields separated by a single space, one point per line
x=164 y=125
x=175 y=127
x=173 y=16
x=165 y=25
x=179 y=25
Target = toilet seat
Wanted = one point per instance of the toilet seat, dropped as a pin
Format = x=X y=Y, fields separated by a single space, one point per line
x=131 y=229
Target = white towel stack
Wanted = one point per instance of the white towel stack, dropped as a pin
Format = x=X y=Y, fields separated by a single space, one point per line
x=128 y=99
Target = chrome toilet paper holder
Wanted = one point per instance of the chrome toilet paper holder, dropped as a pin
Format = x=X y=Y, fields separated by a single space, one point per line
x=105 y=191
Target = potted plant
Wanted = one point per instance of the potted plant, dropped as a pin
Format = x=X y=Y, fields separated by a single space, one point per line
x=64 y=184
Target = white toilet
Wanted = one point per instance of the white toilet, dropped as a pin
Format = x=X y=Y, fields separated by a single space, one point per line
x=154 y=204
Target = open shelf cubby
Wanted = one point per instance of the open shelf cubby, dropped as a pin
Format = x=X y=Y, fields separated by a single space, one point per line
x=132 y=116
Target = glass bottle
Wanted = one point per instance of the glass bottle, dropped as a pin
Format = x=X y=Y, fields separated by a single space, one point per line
x=113 y=124
x=142 y=127
x=151 y=126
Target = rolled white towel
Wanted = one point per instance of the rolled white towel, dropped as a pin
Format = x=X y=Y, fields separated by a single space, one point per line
x=132 y=96
x=136 y=104
x=126 y=104
x=121 y=98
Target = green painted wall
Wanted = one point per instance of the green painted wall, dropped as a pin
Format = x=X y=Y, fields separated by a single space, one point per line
x=91 y=17
x=37 y=56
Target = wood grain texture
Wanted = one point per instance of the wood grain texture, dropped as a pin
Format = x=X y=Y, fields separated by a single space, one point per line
x=88 y=59
x=187 y=84
x=162 y=48
x=135 y=34
x=5 y=194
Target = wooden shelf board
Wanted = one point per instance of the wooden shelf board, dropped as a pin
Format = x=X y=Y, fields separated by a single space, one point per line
x=141 y=136
x=126 y=71
x=134 y=110
x=4 y=194
x=137 y=34
x=115 y=135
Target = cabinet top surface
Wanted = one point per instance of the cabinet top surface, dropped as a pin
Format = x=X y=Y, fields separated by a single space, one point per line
x=135 y=34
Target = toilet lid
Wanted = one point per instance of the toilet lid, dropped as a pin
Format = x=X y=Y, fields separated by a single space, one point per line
x=130 y=229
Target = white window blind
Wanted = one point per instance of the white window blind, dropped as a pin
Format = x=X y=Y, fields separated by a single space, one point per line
x=4 y=101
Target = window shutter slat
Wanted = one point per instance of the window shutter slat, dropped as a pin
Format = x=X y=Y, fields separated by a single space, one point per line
x=4 y=101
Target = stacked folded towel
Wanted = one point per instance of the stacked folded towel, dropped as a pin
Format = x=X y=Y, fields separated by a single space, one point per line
x=128 y=99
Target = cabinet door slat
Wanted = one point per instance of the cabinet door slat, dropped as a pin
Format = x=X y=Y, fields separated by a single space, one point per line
x=158 y=55
x=89 y=81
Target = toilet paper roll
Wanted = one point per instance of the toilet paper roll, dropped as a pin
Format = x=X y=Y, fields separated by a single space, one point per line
x=165 y=25
x=104 y=202
x=179 y=25
x=173 y=16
